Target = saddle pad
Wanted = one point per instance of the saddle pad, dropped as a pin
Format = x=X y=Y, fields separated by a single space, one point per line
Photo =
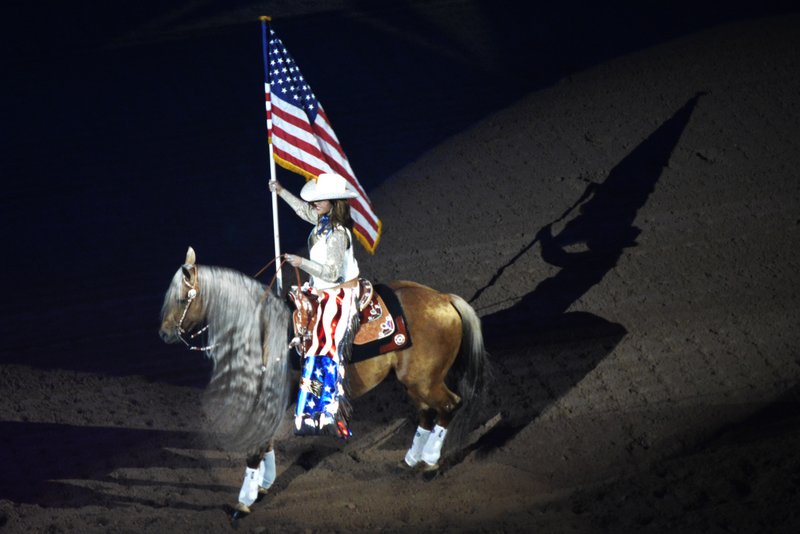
x=387 y=341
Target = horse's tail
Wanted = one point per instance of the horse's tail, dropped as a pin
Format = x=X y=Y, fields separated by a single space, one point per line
x=472 y=371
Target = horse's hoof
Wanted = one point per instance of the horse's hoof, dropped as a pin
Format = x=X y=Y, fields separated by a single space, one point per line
x=425 y=467
x=262 y=490
x=240 y=510
x=405 y=466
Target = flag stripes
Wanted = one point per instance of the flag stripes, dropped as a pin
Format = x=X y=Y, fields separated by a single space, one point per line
x=303 y=139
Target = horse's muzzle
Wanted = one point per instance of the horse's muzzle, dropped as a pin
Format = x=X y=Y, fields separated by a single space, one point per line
x=168 y=335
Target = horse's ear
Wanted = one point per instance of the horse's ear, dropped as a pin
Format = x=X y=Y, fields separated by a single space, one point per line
x=189 y=271
x=190 y=257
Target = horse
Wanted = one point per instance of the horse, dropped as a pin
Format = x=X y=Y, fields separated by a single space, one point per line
x=246 y=328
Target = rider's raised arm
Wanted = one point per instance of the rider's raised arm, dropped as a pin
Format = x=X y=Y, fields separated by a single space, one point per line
x=302 y=208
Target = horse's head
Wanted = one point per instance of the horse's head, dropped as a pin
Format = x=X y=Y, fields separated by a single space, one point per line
x=182 y=310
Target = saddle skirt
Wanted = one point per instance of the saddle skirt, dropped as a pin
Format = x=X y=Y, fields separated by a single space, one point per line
x=382 y=323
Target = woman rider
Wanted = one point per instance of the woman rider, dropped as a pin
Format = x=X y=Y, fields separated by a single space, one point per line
x=333 y=269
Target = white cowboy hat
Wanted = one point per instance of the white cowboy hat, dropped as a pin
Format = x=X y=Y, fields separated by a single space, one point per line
x=327 y=186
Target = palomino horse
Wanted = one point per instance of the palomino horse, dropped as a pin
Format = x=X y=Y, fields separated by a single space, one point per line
x=246 y=328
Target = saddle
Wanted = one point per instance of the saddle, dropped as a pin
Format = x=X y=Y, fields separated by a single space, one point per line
x=382 y=323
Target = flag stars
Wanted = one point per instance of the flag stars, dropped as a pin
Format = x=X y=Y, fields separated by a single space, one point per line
x=286 y=74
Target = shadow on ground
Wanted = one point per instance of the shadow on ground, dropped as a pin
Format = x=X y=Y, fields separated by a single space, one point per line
x=540 y=349
x=42 y=457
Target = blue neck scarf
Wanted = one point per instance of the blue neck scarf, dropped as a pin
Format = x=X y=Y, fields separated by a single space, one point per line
x=324 y=224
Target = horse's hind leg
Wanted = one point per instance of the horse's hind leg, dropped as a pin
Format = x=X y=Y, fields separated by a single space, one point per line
x=421 y=435
x=259 y=474
x=436 y=408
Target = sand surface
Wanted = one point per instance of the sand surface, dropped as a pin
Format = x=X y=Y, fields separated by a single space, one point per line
x=628 y=234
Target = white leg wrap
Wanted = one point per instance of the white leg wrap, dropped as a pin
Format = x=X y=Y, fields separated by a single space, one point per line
x=268 y=471
x=414 y=453
x=433 y=447
x=260 y=472
x=249 y=491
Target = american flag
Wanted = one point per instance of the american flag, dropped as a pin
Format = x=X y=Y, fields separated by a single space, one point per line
x=302 y=138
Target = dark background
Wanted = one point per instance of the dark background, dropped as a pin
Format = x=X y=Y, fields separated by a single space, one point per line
x=134 y=129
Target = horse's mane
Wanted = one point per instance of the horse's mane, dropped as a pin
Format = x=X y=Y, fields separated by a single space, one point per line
x=247 y=394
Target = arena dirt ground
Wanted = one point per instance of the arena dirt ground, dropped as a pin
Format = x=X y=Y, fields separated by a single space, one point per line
x=629 y=237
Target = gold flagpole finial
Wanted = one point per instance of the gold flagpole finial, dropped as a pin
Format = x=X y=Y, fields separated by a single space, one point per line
x=265 y=18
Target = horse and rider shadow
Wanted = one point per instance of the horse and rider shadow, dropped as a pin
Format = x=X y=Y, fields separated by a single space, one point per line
x=67 y=466
x=44 y=460
x=540 y=348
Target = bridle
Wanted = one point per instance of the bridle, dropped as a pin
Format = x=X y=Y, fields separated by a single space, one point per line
x=191 y=294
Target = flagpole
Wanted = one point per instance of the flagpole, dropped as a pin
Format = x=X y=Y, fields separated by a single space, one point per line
x=268 y=102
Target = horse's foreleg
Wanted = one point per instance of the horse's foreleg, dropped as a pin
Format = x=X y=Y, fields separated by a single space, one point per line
x=268 y=470
x=259 y=474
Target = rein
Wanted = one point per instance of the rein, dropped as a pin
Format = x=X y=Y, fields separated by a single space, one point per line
x=275 y=276
x=269 y=288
